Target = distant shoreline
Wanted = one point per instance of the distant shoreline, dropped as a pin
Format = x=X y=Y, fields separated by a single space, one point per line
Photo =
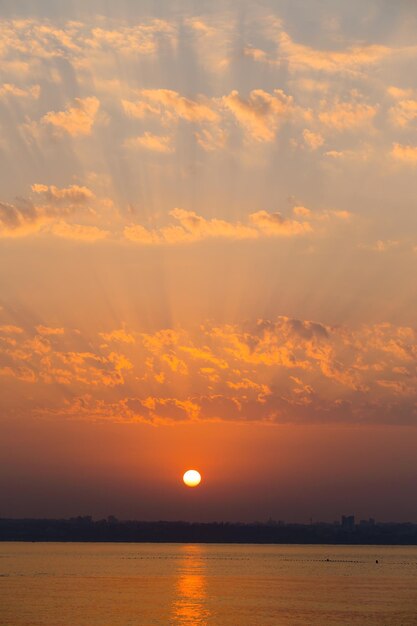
x=210 y=543
x=111 y=530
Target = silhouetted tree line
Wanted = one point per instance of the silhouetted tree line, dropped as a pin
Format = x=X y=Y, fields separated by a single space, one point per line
x=111 y=529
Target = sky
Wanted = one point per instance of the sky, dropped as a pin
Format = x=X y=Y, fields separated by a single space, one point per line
x=208 y=251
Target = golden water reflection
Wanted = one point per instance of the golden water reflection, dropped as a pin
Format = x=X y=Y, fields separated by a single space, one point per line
x=190 y=603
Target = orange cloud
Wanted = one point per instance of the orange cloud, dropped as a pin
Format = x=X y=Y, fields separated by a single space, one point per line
x=191 y=227
x=172 y=104
x=257 y=54
x=185 y=108
x=354 y=58
x=211 y=139
x=398 y=93
x=312 y=140
x=302 y=58
x=404 y=112
x=47 y=331
x=8 y=89
x=131 y=40
x=78 y=232
x=382 y=245
x=73 y=194
x=10 y=329
x=200 y=26
x=348 y=115
x=273 y=224
x=32 y=39
x=154 y=143
x=21 y=219
x=139 y=109
x=27 y=218
x=284 y=369
x=405 y=153
x=118 y=336
x=76 y=120
x=261 y=113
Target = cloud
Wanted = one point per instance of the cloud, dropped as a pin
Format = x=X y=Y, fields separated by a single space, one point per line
x=80 y=41
x=21 y=219
x=119 y=336
x=139 y=109
x=57 y=211
x=76 y=120
x=353 y=58
x=405 y=153
x=382 y=245
x=10 y=90
x=166 y=410
x=48 y=331
x=211 y=139
x=302 y=211
x=140 y=234
x=191 y=227
x=273 y=224
x=271 y=370
x=171 y=104
x=398 y=93
x=363 y=153
x=312 y=140
x=404 y=112
x=258 y=55
x=25 y=217
x=261 y=113
x=199 y=25
x=300 y=57
x=74 y=194
x=10 y=329
x=78 y=232
x=336 y=154
x=141 y=38
x=197 y=227
x=154 y=143
x=344 y=116
x=212 y=37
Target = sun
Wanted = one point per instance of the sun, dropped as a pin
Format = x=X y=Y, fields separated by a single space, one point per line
x=192 y=478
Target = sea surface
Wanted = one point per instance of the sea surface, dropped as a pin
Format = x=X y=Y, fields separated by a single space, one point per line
x=74 y=584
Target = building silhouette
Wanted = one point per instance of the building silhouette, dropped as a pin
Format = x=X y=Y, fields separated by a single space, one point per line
x=348 y=522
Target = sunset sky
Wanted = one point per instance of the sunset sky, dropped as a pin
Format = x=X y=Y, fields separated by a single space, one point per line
x=208 y=258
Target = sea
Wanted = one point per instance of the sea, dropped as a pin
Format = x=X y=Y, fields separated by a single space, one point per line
x=122 y=584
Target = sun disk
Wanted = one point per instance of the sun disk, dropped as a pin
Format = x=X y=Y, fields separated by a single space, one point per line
x=192 y=478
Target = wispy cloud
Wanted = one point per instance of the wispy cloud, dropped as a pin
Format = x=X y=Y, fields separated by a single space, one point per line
x=155 y=143
x=301 y=57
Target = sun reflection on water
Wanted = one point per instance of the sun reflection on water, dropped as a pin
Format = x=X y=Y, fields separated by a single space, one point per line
x=190 y=604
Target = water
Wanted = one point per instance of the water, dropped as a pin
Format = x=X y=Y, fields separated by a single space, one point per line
x=236 y=585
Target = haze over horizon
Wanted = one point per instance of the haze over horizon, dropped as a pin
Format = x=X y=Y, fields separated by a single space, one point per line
x=208 y=255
